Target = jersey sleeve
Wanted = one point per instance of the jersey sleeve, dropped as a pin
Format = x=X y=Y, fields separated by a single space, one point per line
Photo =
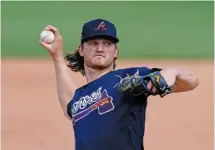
x=69 y=109
x=69 y=105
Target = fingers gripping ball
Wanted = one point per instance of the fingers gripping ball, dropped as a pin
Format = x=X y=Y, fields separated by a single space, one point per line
x=47 y=36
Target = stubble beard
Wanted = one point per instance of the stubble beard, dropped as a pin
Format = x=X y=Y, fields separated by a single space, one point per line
x=99 y=66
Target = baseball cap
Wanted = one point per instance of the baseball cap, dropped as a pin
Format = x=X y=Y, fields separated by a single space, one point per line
x=99 y=28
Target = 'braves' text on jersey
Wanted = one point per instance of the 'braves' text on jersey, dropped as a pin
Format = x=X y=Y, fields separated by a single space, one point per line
x=106 y=119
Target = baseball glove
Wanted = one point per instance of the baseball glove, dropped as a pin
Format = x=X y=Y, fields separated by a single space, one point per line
x=137 y=85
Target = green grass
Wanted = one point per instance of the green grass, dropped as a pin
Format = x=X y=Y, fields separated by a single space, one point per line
x=146 y=29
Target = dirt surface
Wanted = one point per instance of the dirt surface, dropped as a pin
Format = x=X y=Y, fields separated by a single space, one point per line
x=32 y=118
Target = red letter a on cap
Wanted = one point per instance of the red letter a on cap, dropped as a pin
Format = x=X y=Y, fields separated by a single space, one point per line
x=101 y=26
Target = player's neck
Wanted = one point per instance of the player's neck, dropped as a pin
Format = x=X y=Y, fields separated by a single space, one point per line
x=93 y=74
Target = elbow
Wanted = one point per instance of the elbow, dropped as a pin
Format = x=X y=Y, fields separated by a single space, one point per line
x=186 y=81
x=193 y=80
x=195 y=83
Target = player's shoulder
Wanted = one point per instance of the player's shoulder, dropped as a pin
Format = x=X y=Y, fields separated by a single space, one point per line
x=94 y=84
x=138 y=68
x=110 y=76
x=135 y=71
x=142 y=70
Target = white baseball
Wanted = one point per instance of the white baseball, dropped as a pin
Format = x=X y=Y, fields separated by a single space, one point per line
x=47 y=36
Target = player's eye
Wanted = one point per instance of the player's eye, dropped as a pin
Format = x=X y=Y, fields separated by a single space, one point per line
x=93 y=43
x=107 y=43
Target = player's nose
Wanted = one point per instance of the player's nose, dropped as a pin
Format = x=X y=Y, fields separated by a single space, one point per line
x=100 y=48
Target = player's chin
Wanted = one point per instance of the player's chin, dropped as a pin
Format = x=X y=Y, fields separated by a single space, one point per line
x=98 y=61
x=99 y=64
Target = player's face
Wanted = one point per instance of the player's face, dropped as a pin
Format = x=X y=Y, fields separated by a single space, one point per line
x=99 y=53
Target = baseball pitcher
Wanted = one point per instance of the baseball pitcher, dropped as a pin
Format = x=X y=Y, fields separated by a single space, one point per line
x=108 y=113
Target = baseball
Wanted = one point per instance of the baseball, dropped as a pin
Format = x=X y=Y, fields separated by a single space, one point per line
x=47 y=36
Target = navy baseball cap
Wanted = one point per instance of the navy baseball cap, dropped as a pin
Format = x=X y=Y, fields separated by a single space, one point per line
x=99 y=28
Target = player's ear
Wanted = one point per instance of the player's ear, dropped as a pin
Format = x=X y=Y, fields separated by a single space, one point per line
x=80 y=49
x=116 y=52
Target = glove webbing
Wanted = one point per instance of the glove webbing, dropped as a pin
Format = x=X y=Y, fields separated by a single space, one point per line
x=160 y=84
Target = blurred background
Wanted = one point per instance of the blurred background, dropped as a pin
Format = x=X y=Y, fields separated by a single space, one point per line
x=155 y=34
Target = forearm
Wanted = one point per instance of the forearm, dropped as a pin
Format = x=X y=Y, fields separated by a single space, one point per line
x=180 y=79
x=186 y=80
x=65 y=86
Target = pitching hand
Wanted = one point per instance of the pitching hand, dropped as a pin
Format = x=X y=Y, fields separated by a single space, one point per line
x=55 y=49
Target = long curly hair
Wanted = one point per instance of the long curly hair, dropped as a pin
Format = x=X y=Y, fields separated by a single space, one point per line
x=76 y=62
